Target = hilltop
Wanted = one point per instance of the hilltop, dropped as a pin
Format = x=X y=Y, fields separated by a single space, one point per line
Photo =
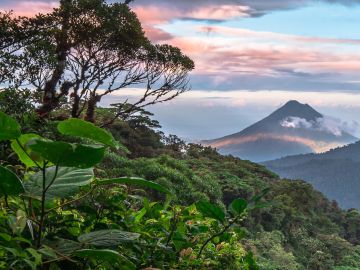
x=335 y=173
x=292 y=129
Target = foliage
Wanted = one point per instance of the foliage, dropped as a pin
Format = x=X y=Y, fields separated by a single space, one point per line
x=55 y=214
x=334 y=173
x=83 y=46
x=73 y=197
x=299 y=229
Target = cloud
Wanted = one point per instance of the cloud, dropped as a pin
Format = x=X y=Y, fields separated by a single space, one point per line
x=263 y=35
x=250 y=59
x=317 y=146
x=28 y=8
x=328 y=124
x=231 y=58
x=246 y=63
x=228 y=9
x=219 y=12
x=337 y=126
x=296 y=122
x=232 y=111
x=154 y=15
x=186 y=9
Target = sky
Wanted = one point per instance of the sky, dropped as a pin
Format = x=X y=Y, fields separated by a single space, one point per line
x=251 y=57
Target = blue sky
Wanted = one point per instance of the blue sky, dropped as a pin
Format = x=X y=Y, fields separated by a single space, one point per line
x=317 y=19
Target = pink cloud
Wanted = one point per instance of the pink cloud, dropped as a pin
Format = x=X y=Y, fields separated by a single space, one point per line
x=229 y=51
x=152 y=16
x=162 y=14
x=30 y=8
x=219 y=12
x=227 y=59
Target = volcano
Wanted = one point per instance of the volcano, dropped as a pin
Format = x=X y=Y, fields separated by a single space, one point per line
x=293 y=129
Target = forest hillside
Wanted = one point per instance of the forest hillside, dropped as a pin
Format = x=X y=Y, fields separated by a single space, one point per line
x=86 y=187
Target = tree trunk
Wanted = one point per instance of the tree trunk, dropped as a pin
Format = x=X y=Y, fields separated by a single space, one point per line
x=49 y=103
x=75 y=106
x=91 y=106
x=50 y=98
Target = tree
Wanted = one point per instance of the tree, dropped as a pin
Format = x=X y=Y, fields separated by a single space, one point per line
x=86 y=49
x=9 y=46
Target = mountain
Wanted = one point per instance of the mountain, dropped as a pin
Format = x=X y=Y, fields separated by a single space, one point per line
x=293 y=129
x=336 y=173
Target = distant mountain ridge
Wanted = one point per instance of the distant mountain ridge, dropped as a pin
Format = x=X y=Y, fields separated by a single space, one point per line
x=336 y=173
x=293 y=129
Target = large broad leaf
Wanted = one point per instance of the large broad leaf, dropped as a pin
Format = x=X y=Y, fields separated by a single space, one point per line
x=69 y=155
x=209 y=210
x=10 y=183
x=84 y=156
x=9 y=128
x=80 y=128
x=107 y=238
x=67 y=182
x=106 y=255
x=238 y=206
x=134 y=181
x=29 y=156
x=61 y=246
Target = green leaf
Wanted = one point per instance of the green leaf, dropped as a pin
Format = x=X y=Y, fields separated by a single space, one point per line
x=81 y=128
x=105 y=255
x=17 y=223
x=67 y=182
x=5 y=237
x=139 y=215
x=10 y=183
x=134 y=181
x=69 y=155
x=209 y=210
x=35 y=254
x=9 y=128
x=250 y=261
x=84 y=156
x=61 y=246
x=25 y=140
x=238 y=206
x=180 y=241
x=107 y=238
x=48 y=252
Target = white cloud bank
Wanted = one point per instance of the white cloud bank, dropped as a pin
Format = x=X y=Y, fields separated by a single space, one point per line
x=328 y=124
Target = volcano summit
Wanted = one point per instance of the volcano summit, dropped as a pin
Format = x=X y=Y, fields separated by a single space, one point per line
x=293 y=129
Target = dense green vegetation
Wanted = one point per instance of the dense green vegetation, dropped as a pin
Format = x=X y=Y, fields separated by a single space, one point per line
x=114 y=192
x=298 y=229
x=335 y=173
x=133 y=222
x=56 y=213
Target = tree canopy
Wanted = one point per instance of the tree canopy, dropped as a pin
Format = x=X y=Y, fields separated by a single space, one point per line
x=84 y=50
